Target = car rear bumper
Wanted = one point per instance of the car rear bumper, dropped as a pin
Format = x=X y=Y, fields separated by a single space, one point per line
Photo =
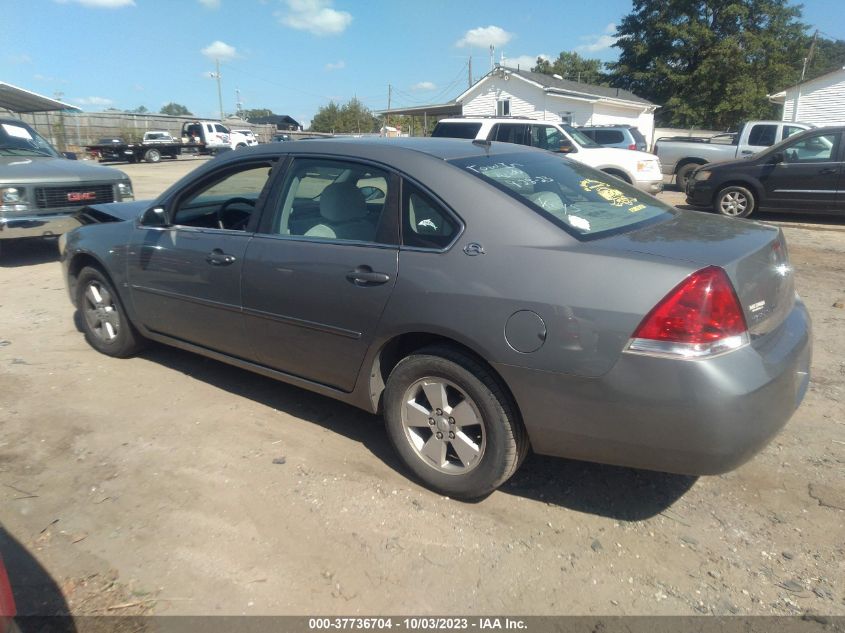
x=697 y=417
x=37 y=225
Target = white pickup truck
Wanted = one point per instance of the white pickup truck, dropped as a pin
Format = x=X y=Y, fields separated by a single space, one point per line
x=680 y=155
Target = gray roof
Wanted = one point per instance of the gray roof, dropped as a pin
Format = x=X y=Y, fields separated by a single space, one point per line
x=565 y=85
x=16 y=99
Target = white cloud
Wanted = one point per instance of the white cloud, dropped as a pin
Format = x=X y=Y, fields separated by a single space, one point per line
x=101 y=4
x=21 y=58
x=599 y=42
x=94 y=101
x=336 y=65
x=524 y=62
x=315 y=16
x=220 y=50
x=210 y=4
x=484 y=36
x=424 y=85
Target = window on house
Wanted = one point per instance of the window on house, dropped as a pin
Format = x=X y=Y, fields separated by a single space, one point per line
x=565 y=117
x=503 y=107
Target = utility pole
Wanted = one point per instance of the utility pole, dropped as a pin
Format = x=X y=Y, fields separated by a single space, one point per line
x=216 y=75
x=469 y=73
x=809 y=56
x=60 y=132
x=389 y=95
x=492 y=49
x=238 y=104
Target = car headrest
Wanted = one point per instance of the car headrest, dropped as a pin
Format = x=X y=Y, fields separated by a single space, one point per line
x=342 y=201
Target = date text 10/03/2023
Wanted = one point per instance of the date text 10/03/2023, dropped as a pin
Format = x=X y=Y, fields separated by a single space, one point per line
x=422 y=623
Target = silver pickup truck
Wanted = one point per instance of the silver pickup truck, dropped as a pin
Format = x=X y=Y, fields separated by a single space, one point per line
x=40 y=189
x=680 y=156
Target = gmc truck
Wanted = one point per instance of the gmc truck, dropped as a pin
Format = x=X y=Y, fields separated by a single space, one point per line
x=680 y=155
x=41 y=190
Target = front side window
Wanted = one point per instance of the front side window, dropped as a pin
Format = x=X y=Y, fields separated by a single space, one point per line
x=425 y=223
x=546 y=137
x=220 y=128
x=789 y=130
x=335 y=200
x=820 y=148
x=503 y=107
x=227 y=201
x=585 y=202
x=762 y=134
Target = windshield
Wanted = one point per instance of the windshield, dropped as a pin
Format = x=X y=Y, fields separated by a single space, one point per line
x=21 y=140
x=587 y=203
x=579 y=137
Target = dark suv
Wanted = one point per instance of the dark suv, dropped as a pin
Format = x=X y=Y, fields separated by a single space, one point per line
x=624 y=136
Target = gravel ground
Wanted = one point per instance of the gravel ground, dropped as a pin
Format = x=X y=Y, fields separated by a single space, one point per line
x=172 y=484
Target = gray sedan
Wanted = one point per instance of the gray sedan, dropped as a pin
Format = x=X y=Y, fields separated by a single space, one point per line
x=484 y=297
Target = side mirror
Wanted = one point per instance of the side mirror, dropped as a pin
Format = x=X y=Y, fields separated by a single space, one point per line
x=69 y=155
x=566 y=147
x=776 y=158
x=156 y=216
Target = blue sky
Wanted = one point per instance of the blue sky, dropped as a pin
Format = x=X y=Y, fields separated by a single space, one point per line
x=293 y=56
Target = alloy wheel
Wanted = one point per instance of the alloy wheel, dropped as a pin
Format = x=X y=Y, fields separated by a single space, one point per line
x=101 y=315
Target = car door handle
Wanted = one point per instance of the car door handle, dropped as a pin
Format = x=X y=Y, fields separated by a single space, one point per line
x=219 y=258
x=828 y=171
x=364 y=276
x=746 y=152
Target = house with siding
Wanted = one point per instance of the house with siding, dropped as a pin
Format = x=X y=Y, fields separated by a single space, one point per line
x=820 y=101
x=513 y=92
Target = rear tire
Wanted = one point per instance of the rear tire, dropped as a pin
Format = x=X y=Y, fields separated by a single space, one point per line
x=104 y=321
x=683 y=174
x=735 y=202
x=452 y=423
x=152 y=155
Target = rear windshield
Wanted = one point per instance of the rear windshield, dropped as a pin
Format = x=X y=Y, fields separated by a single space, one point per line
x=585 y=202
x=458 y=129
x=638 y=136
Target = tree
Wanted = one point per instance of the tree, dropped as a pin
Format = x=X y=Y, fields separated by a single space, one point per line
x=573 y=67
x=139 y=110
x=256 y=113
x=709 y=63
x=827 y=55
x=175 y=109
x=352 y=117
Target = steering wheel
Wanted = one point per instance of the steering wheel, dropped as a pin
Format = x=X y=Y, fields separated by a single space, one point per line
x=221 y=212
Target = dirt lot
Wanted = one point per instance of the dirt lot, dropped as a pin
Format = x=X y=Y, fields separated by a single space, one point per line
x=172 y=484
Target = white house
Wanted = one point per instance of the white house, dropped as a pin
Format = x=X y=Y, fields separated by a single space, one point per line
x=511 y=92
x=820 y=101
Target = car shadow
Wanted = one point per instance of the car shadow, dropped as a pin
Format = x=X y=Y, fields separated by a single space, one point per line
x=621 y=493
x=28 y=252
x=40 y=604
x=823 y=220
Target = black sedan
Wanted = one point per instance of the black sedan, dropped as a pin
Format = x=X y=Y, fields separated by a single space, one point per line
x=805 y=172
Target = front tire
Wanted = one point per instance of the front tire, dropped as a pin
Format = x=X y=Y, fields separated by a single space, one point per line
x=735 y=202
x=104 y=322
x=452 y=423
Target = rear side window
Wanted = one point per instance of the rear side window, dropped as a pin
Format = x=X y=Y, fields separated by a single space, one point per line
x=609 y=137
x=425 y=223
x=457 y=129
x=762 y=134
x=511 y=133
x=585 y=202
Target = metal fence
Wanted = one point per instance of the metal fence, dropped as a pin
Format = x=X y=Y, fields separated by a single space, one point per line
x=72 y=131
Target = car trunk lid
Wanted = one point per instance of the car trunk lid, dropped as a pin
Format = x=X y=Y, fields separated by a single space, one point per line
x=754 y=255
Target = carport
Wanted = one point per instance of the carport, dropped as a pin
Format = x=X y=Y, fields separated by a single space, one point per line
x=18 y=101
x=424 y=111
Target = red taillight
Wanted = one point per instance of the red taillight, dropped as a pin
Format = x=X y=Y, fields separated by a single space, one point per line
x=699 y=317
x=7 y=601
x=632 y=146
